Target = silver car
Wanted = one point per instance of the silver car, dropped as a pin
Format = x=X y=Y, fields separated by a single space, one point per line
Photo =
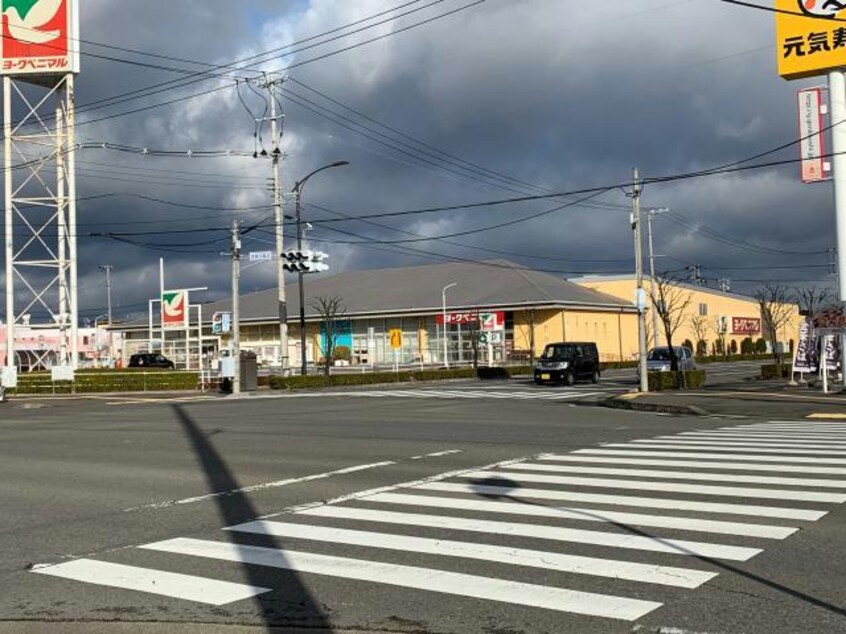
x=658 y=359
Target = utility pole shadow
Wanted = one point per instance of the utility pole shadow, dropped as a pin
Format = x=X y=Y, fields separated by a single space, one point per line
x=290 y=604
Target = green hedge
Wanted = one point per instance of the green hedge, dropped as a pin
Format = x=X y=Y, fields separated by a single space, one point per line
x=372 y=378
x=673 y=380
x=99 y=381
x=774 y=371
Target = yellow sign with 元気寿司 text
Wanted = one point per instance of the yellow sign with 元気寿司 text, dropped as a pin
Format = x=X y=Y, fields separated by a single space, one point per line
x=810 y=37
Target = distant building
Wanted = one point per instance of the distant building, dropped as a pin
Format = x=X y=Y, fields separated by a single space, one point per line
x=35 y=347
x=727 y=316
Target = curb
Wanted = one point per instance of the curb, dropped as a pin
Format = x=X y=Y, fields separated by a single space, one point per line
x=659 y=408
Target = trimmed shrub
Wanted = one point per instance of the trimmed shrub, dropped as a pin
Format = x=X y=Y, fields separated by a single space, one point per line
x=701 y=348
x=761 y=346
x=775 y=371
x=747 y=346
x=733 y=346
x=676 y=380
x=98 y=381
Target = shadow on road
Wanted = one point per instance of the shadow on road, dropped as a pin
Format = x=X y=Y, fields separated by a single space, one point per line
x=500 y=488
x=290 y=603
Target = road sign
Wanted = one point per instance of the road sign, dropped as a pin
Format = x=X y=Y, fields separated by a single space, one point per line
x=221 y=323
x=492 y=337
x=261 y=256
x=492 y=321
x=396 y=338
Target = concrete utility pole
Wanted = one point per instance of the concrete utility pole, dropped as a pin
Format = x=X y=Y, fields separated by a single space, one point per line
x=108 y=270
x=271 y=85
x=649 y=216
x=236 y=306
x=640 y=295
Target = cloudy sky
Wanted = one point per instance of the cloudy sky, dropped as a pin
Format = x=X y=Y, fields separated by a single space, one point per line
x=501 y=99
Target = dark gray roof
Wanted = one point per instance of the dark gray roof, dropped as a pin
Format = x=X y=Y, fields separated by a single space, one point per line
x=418 y=289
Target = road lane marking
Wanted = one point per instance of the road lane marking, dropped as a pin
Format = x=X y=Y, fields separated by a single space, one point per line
x=430 y=580
x=575 y=564
x=672 y=487
x=635 y=450
x=683 y=475
x=536 y=531
x=706 y=447
x=169 y=584
x=836 y=441
x=698 y=464
x=262 y=487
x=587 y=514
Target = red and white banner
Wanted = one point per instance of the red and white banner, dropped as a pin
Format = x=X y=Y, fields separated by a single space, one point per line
x=40 y=37
x=745 y=325
x=811 y=144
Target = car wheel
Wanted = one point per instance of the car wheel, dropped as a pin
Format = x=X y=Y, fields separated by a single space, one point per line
x=569 y=378
x=594 y=378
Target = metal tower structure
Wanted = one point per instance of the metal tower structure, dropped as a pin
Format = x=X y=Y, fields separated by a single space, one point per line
x=39 y=60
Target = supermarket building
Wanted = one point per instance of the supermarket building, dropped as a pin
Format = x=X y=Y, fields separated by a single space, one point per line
x=511 y=300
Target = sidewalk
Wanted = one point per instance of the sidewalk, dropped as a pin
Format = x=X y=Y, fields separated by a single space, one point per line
x=770 y=400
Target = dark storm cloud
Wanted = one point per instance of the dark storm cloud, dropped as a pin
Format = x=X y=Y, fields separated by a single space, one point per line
x=563 y=95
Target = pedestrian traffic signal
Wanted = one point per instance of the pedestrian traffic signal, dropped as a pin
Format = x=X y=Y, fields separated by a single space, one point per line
x=305 y=261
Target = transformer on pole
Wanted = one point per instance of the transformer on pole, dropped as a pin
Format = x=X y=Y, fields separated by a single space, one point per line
x=39 y=58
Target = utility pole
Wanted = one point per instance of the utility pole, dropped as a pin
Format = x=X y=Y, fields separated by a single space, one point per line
x=649 y=216
x=640 y=295
x=108 y=269
x=236 y=306
x=271 y=85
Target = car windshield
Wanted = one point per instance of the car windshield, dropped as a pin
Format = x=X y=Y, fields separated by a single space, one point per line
x=662 y=354
x=557 y=352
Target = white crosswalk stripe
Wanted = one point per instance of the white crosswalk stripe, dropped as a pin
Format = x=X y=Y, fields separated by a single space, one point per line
x=573 y=516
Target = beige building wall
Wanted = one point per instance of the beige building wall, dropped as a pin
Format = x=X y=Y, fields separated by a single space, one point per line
x=713 y=304
x=614 y=332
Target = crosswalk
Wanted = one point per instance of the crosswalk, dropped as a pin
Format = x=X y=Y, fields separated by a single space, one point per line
x=617 y=530
x=561 y=394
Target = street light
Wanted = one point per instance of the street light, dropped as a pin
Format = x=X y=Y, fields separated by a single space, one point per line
x=298 y=190
x=443 y=297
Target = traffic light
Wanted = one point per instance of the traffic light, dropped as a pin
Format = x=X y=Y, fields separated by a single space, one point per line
x=305 y=261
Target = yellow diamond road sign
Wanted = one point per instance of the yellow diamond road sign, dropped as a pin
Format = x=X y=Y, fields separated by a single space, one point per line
x=810 y=37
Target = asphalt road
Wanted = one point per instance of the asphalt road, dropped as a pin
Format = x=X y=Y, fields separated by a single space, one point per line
x=494 y=510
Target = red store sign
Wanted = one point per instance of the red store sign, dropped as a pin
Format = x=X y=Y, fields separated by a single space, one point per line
x=491 y=320
x=745 y=325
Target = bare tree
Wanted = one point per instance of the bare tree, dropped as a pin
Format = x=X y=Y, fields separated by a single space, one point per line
x=671 y=302
x=531 y=315
x=776 y=303
x=701 y=327
x=332 y=312
x=812 y=298
x=475 y=327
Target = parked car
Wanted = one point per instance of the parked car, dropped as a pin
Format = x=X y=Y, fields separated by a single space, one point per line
x=567 y=362
x=658 y=359
x=149 y=360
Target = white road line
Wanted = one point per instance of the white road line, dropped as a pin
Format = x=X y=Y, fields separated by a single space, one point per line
x=624 y=500
x=431 y=580
x=646 y=573
x=588 y=515
x=536 y=531
x=261 y=487
x=728 y=442
x=673 y=487
x=699 y=464
x=682 y=475
x=705 y=447
x=803 y=427
x=634 y=451
x=169 y=584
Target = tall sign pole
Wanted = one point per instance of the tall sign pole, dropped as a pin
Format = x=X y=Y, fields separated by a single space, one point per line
x=39 y=58
x=837 y=98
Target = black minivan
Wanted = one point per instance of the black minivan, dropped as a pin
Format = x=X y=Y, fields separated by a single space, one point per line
x=567 y=362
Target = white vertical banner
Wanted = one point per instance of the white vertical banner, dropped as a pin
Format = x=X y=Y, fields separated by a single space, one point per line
x=812 y=147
